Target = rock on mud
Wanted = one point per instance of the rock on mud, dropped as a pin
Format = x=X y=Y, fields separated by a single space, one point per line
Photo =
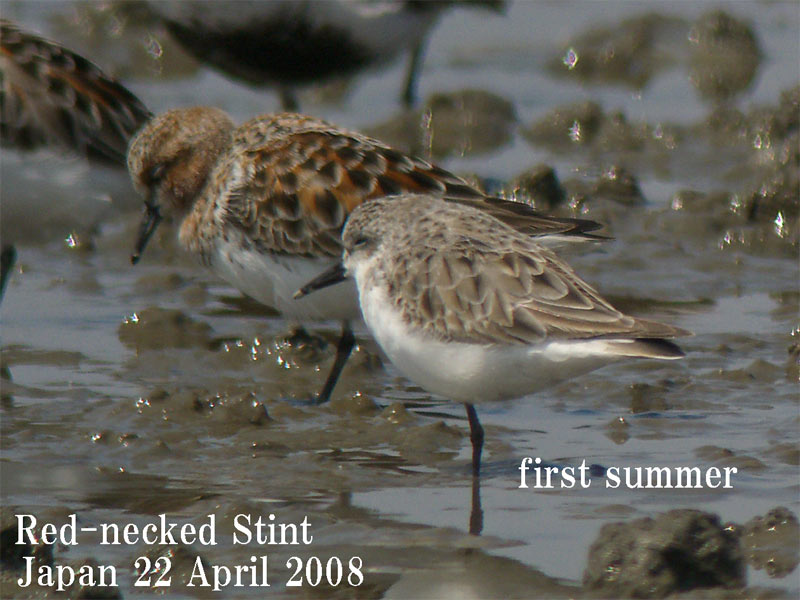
x=677 y=551
x=466 y=122
x=772 y=542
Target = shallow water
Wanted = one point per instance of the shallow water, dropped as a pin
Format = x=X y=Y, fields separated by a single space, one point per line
x=130 y=392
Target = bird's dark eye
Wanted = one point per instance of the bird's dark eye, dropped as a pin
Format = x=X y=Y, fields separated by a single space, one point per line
x=360 y=241
x=157 y=173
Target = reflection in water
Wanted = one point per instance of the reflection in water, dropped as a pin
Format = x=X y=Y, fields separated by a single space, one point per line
x=476 y=512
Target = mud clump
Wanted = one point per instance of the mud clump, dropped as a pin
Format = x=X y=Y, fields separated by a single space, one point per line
x=759 y=209
x=12 y=554
x=567 y=126
x=725 y=56
x=765 y=131
x=771 y=542
x=156 y=328
x=677 y=551
x=619 y=185
x=618 y=430
x=776 y=200
x=722 y=56
x=540 y=187
x=725 y=457
x=793 y=362
x=14 y=567
x=629 y=53
x=602 y=136
x=771 y=137
x=466 y=122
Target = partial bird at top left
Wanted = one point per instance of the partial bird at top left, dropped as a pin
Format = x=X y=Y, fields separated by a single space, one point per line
x=51 y=96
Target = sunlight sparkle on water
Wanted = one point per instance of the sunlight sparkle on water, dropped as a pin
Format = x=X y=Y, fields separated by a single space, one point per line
x=571 y=59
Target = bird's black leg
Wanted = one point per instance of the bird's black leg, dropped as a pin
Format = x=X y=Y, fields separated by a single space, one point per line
x=476 y=437
x=412 y=76
x=288 y=99
x=476 y=512
x=7 y=258
x=343 y=350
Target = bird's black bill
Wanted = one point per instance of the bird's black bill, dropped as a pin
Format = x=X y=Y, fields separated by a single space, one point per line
x=327 y=278
x=150 y=221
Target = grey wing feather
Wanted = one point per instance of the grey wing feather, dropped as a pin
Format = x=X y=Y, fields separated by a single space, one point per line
x=522 y=294
x=529 y=221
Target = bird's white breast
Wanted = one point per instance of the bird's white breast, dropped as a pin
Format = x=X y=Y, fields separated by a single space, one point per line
x=272 y=279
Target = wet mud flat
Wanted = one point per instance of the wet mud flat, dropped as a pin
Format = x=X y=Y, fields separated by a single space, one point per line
x=130 y=393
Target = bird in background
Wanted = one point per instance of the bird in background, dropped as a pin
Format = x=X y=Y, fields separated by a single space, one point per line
x=53 y=97
x=290 y=44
